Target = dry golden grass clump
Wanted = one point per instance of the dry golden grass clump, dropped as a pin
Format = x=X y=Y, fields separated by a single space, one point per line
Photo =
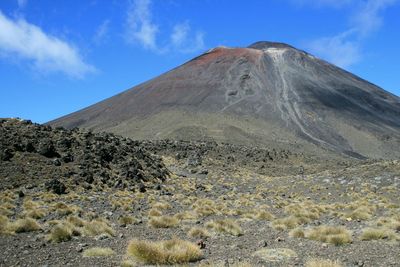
x=155 y=212
x=379 y=233
x=36 y=213
x=390 y=222
x=173 y=251
x=330 y=234
x=24 y=225
x=60 y=233
x=127 y=220
x=63 y=209
x=185 y=215
x=264 y=215
x=161 y=206
x=285 y=223
x=97 y=227
x=205 y=207
x=4 y=225
x=227 y=226
x=29 y=204
x=98 y=252
x=360 y=213
x=198 y=232
x=297 y=233
x=163 y=222
x=76 y=221
x=223 y=264
x=322 y=263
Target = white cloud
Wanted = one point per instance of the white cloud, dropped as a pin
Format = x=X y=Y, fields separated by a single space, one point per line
x=143 y=30
x=181 y=40
x=344 y=49
x=47 y=53
x=369 y=17
x=339 y=50
x=102 y=31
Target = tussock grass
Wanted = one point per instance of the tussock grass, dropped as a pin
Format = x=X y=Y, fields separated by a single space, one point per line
x=97 y=227
x=173 y=251
x=25 y=225
x=297 y=233
x=63 y=209
x=198 y=232
x=264 y=215
x=126 y=220
x=129 y=263
x=185 y=215
x=330 y=234
x=5 y=225
x=360 y=213
x=285 y=223
x=390 y=222
x=37 y=213
x=5 y=211
x=76 y=221
x=322 y=263
x=98 y=252
x=227 y=226
x=163 y=222
x=161 y=206
x=378 y=233
x=60 y=233
x=155 y=213
x=223 y=264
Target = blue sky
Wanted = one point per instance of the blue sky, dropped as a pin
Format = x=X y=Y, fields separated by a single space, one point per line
x=60 y=56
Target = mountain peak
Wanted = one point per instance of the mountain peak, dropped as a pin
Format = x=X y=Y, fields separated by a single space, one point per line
x=262 y=45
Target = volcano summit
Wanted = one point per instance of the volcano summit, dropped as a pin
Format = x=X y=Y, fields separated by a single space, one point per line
x=268 y=94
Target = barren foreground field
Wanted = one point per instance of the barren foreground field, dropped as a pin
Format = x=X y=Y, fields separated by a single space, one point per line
x=211 y=212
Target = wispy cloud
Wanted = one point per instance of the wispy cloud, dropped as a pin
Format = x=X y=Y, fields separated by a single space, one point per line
x=142 y=29
x=345 y=49
x=369 y=17
x=182 y=41
x=339 y=49
x=102 y=31
x=22 y=40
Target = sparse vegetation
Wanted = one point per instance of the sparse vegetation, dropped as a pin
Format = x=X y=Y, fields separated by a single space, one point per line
x=198 y=232
x=227 y=226
x=163 y=222
x=378 y=233
x=297 y=233
x=25 y=225
x=330 y=234
x=60 y=233
x=173 y=251
x=97 y=227
x=322 y=263
x=98 y=252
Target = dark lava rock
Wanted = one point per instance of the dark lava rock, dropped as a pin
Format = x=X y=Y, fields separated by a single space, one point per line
x=77 y=157
x=55 y=186
x=6 y=154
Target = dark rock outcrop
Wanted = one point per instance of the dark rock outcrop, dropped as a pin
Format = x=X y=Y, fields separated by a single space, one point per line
x=37 y=154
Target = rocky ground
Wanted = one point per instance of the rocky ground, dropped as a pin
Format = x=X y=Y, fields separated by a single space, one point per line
x=240 y=206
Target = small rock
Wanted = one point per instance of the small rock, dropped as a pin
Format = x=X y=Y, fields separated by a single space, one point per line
x=56 y=186
x=201 y=244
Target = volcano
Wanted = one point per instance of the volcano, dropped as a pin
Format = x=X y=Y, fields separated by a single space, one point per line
x=267 y=94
